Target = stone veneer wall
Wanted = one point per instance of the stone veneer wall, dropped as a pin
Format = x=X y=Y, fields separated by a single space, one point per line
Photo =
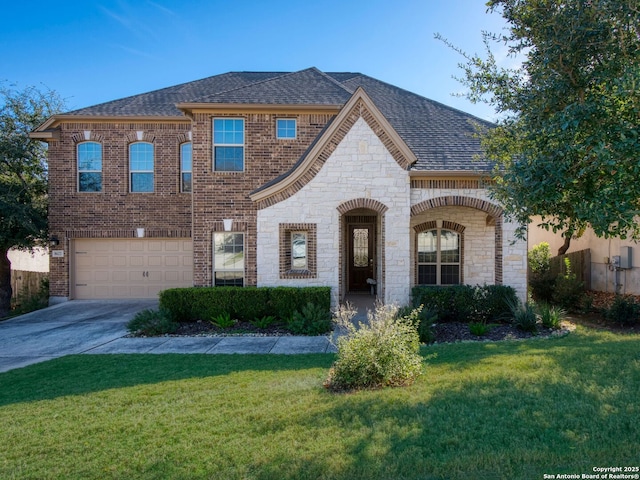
x=359 y=168
x=485 y=217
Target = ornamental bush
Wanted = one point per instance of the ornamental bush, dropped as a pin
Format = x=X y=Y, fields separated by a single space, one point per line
x=382 y=352
x=246 y=304
x=466 y=303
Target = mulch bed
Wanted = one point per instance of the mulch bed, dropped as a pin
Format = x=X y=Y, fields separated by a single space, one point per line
x=444 y=332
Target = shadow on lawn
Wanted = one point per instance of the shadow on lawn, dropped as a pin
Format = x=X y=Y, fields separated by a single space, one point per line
x=487 y=427
x=94 y=373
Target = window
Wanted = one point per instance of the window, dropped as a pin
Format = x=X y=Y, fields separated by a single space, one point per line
x=89 y=167
x=228 y=145
x=185 y=167
x=141 y=167
x=438 y=257
x=299 y=250
x=228 y=259
x=286 y=128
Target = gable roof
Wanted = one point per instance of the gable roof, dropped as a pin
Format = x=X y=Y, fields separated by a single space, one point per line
x=441 y=138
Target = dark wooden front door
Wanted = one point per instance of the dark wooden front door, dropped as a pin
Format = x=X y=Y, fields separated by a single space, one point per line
x=361 y=256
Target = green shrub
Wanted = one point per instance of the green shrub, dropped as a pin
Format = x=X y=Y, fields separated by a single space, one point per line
x=524 y=316
x=465 y=303
x=223 y=320
x=568 y=291
x=285 y=301
x=550 y=316
x=152 y=323
x=382 y=352
x=623 y=310
x=541 y=280
x=423 y=320
x=479 y=329
x=263 y=322
x=248 y=303
x=310 y=320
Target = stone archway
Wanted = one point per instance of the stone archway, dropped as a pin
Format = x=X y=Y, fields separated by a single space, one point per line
x=494 y=218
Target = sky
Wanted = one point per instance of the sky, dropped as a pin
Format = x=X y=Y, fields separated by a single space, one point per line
x=92 y=52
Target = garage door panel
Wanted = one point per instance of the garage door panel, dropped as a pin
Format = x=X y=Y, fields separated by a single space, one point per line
x=154 y=261
x=118 y=261
x=136 y=268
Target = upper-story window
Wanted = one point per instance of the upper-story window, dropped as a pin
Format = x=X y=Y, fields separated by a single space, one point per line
x=286 y=128
x=439 y=257
x=228 y=144
x=141 y=167
x=89 y=167
x=186 y=167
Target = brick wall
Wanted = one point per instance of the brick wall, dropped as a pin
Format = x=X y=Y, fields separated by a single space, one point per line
x=225 y=195
x=114 y=212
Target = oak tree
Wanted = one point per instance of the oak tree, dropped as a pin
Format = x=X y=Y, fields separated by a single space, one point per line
x=23 y=176
x=567 y=144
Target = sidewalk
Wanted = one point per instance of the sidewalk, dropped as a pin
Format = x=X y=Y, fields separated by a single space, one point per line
x=216 y=345
x=99 y=327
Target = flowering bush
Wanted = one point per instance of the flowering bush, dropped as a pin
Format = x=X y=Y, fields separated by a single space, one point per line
x=384 y=351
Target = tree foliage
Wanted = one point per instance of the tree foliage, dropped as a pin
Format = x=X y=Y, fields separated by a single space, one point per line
x=23 y=175
x=567 y=145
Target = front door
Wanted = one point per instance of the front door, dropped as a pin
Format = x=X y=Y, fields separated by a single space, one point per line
x=361 y=256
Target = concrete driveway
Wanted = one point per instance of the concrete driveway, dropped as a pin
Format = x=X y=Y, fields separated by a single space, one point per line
x=67 y=328
x=97 y=327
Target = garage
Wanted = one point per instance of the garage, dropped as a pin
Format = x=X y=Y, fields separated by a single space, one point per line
x=130 y=268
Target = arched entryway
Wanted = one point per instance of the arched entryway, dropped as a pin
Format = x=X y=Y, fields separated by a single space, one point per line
x=362 y=256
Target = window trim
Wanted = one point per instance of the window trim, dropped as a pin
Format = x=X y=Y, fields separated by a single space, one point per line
x=214 y=144
x=244 y=263
x=131 y=171
x=446 y=226
x=295 y=128
x=182 y=171
x=79 y=171
x=286 y=231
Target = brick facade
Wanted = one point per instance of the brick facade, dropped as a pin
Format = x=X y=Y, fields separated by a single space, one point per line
x=114 y=212
x=225 y=195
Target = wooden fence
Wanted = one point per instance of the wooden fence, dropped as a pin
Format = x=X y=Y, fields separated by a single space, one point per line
x=580 y=265
x=26 y=284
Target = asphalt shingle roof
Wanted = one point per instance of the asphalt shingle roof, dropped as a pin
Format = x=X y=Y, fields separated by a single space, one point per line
x=441 y=137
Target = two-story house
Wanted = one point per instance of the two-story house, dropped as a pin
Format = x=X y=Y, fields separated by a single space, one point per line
x=269 y=178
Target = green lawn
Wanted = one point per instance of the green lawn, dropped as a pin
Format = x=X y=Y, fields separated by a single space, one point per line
x=512 y=410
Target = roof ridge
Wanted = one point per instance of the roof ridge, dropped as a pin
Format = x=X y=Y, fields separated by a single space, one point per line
x=253 y=84
x=430 y=100
x=331 y=79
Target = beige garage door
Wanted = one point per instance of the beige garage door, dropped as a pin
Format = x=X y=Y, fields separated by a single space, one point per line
x=132 y=268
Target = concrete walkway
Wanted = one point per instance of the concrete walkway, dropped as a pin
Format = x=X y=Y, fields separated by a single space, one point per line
x=99 y=327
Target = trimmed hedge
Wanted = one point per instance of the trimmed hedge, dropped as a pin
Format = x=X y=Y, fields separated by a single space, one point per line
x=466 y=303
x=246 y=304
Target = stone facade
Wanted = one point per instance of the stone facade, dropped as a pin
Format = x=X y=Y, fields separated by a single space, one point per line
x=359 y=168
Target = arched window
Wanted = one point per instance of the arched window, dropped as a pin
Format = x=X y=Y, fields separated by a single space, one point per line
x=439 y=259
x=186 y=168
x=89 y=156
x=141 y=167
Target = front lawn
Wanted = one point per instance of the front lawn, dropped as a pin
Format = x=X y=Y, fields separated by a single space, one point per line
x=512 y=410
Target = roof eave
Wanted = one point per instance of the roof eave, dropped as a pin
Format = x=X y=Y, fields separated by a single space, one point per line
x=449 y=173
x=188 y=108
x=56 y=120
